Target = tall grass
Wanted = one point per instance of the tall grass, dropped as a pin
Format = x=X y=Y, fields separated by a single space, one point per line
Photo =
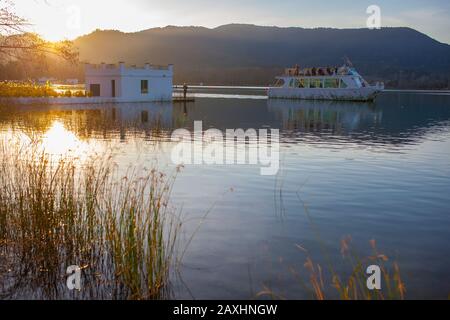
x=56 y=212
x=353 y=286
x=346 y=281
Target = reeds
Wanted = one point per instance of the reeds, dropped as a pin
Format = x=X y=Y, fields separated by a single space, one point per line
x=353 y=286
x=345 y=279
x=56 y=212
x=350 y=283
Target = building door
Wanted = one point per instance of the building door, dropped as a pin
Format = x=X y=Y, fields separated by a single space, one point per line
x=113 y=88
x=94 y=88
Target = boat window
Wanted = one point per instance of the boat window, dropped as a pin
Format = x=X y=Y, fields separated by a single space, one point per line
x=342 y=84
x=279 y=83
x=331 y=83
x=363 y=82
x=303 y=83
x=316 y=83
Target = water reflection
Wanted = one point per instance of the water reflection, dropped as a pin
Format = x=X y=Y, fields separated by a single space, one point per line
x=387 y=196
x=316 y=116
x=59 y=141
x=106 y=122
x=394 y=119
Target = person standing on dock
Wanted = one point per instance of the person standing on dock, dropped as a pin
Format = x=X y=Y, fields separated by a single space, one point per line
x=185 y=89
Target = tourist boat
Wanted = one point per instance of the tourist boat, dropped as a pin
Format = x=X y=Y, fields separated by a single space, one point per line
x=329 y=83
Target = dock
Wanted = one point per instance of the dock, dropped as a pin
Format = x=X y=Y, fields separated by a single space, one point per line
x=182 y=99
x=179 y=97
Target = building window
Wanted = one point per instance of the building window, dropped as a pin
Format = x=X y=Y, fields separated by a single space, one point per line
x=94 y=89
x=113 y=88
x=144 y=86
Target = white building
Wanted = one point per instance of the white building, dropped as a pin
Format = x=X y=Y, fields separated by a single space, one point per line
x=151 y=83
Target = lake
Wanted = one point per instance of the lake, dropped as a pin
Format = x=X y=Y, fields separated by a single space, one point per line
x=367 y=170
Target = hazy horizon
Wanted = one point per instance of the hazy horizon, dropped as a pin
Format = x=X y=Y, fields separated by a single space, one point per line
x=71 y=19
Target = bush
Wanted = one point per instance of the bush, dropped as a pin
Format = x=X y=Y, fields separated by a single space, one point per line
x=79 y=94
x=26 y=89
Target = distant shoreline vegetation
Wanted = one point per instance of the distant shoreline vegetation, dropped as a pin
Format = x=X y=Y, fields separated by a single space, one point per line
x=14 y=89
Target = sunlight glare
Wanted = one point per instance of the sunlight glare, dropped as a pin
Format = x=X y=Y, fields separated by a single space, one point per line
x=58 y=141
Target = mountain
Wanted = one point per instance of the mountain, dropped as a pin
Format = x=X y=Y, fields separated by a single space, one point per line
x=253 y=55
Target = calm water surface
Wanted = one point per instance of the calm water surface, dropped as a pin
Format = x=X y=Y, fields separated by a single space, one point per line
x=372 y=171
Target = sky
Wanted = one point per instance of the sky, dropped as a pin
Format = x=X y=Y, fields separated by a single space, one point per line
x=67 y=19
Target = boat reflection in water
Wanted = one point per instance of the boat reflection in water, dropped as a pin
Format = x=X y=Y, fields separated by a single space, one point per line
x=315 y=116
x=393 y=120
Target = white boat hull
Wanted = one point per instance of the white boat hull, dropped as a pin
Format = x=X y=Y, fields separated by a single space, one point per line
x=347 y=94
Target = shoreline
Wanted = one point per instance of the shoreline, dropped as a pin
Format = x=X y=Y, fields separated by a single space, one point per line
x=266 y=87
x=175 y=98
x=73 y=100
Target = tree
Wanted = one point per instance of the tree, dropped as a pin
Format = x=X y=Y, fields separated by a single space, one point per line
x=17 y=43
